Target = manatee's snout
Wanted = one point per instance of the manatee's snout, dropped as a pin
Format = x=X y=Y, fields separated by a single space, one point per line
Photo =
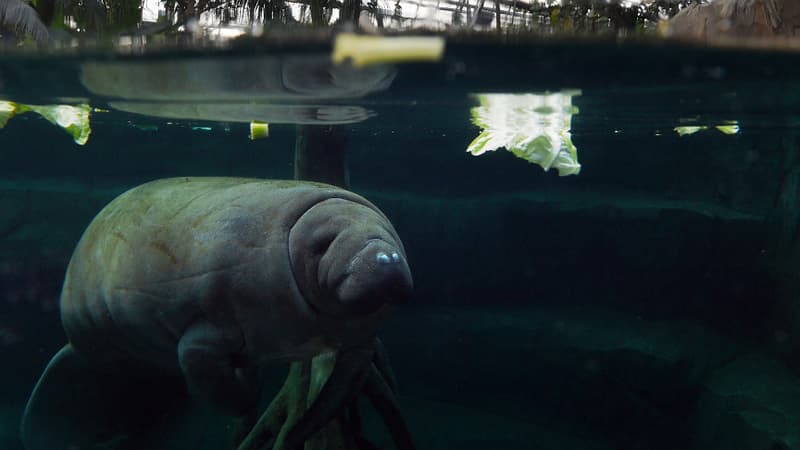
x=378 y=274
x=347 y=259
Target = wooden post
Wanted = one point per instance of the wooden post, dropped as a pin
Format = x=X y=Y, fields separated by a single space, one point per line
x=321 y=155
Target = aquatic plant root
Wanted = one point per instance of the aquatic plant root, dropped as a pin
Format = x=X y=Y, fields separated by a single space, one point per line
x=297 y=420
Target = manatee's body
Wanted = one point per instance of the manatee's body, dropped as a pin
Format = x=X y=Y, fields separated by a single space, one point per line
x=202 y=277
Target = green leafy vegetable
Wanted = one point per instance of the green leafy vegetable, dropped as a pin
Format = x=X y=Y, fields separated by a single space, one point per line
x=729 y=127
x=7 y=111
x=687 y=130
x=73 y=119
x=534 y=127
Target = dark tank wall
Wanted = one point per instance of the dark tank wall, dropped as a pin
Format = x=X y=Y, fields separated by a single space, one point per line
x=615 y=309
x=660 y=226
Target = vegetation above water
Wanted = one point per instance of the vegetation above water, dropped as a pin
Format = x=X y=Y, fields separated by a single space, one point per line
x=40 y=20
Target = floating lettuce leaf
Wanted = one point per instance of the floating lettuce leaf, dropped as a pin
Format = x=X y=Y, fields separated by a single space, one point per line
x=731 y=127
x=7 y=111
x=73 y=119
x=687 y=130
x=534 y=127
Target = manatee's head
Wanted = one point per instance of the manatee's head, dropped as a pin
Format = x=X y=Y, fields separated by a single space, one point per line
x=347 y=259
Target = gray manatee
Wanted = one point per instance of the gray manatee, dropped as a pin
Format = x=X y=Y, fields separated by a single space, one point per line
x=199 y=280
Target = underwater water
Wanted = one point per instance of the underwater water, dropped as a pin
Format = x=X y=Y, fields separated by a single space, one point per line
x=649 y=301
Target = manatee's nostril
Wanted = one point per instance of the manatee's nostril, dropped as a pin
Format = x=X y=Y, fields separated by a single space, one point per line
x=382 y=258
x=395 y=257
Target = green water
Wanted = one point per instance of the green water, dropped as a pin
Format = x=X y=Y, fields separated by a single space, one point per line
x=649 y=302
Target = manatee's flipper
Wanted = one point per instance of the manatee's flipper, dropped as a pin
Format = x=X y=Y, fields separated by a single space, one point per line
x=76 y=405
x=340 y=389
x=206 y=355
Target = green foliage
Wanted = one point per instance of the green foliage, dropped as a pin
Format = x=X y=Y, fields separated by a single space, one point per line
x=599 y=16
x=256 y=11
x=112 y=17
x=101 y=16
x=19 y=17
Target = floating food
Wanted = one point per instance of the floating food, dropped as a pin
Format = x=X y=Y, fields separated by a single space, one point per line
x=363 y=50
x=74 y=119
x=258 y=130
x=534 y=127
x=729 y=128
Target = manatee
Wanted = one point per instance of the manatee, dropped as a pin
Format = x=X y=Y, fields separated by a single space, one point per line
x=200 y=280
x=292 y=88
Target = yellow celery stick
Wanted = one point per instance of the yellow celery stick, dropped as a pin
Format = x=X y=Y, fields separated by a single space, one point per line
x=367 y=50
x=258 y=130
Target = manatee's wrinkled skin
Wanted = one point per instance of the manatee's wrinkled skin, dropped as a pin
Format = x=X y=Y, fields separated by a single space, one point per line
x=206 y=277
